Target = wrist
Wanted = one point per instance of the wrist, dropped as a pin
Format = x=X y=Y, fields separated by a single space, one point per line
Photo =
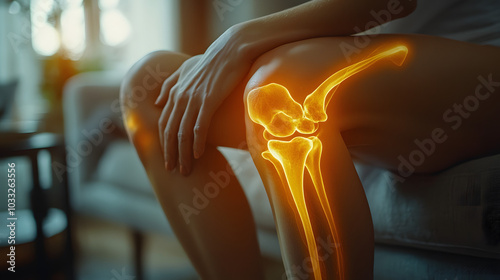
x=261 y=35
x=250 y=39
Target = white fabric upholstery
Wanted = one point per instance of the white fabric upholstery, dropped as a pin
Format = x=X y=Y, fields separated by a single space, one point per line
x=120 y=166
x=88 y=99
x=475 y=21
x=246 y=172
x=456 y=210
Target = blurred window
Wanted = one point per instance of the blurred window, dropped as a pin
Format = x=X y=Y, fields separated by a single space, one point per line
x=60 y=26
x=114 y=26
x=73 y=28
x=100 y=30
x=45 y=38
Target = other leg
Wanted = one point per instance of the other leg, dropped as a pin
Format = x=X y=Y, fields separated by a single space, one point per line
x=207 y=210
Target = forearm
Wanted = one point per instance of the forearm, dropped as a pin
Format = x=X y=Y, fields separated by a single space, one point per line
x=319 y=18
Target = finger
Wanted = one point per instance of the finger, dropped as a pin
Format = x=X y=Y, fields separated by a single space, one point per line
x=201 y=131
x=166 y=87
x=170 y=134
x=185 y=138
x=163 y=120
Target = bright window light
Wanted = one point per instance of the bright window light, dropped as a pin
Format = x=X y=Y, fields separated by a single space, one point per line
x=42 y=5
x=45 y=37
x=108 y=4
x=73 y=31
x=115 y=28
x=46 y=40
x=74 y=3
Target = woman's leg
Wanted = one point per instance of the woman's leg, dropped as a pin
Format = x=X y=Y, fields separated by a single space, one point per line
x=380 y=114
x=322 y=215
x=344 y=250
x=208 y=210
x=442 y=100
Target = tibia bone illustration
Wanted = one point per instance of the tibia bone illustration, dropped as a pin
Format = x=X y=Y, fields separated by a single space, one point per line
x=292 y=156
x=273 y=107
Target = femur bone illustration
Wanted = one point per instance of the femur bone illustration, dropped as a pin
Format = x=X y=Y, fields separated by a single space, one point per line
x=273 y=107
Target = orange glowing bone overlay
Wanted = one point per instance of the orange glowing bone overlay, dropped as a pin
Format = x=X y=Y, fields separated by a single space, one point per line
x=273 y=107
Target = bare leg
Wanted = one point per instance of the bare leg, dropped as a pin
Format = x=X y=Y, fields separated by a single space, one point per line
x=313 y=247
x=208 y=210
x=380 y=113
x=376 y=114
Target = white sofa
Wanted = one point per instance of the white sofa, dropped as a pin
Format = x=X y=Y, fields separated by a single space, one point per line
x=440 y=226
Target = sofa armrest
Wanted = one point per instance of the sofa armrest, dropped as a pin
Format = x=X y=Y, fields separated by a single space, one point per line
x=92 y=118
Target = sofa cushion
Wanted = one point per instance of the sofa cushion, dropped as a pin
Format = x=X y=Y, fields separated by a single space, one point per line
x=113 y=202
x=120 y=166
x=456 y=210
x=398 y=262
x=245 y=171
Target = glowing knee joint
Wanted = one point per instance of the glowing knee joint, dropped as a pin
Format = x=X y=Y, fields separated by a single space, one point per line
x=273 y=107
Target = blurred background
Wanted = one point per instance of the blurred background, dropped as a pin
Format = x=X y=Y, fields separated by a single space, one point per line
x=83 y=205
x=77 y=203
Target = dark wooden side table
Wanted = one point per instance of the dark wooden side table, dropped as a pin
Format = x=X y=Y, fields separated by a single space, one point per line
x=14 y=144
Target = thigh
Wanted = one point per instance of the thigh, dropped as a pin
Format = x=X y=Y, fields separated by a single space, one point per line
x=387 y=112
x=141 y=87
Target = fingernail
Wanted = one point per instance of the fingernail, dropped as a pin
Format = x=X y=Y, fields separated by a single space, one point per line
x=196 y=154
x=182 y=169
x=166 y=165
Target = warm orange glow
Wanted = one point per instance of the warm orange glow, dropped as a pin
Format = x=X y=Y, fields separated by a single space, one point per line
x=131 y=122
x=292 y=155
x=315 y=103
x=142 y=138
x=273 y=107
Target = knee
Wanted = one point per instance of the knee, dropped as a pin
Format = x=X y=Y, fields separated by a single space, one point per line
x=139 y=89
x=279 y=82
x=299 y=69
x=144 y=80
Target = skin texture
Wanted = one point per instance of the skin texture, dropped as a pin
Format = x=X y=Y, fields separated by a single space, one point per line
x=191 y=96
x=226 y=219
x=374 y=116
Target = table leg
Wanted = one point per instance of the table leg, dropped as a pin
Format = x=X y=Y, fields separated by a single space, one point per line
x=39 y=208
x=60 y=154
